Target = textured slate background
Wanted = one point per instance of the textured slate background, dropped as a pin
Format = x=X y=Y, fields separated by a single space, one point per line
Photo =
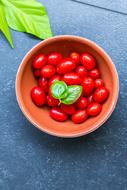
x=32 y=160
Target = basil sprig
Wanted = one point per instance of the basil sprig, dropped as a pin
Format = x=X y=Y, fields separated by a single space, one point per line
x=74 y=92
x=66 y=94
x=59 y=89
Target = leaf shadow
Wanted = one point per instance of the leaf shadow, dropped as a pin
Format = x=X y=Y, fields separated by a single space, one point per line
x=33 y=36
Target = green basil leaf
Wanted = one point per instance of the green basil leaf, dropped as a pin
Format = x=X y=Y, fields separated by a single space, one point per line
x=27 y=16
x=59 y=89
x=4 y=26
x=64 y=95
x=74 y=92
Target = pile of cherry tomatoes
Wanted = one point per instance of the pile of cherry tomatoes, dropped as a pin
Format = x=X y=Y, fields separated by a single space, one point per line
x=75 y=70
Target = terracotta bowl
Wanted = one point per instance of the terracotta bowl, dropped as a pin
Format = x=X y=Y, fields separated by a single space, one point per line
x=39 y=117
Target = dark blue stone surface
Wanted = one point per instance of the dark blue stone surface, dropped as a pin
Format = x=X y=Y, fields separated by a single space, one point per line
x=32 y=160
x=117 y=5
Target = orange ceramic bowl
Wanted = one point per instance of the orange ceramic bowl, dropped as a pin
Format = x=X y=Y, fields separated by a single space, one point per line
x=39 y=117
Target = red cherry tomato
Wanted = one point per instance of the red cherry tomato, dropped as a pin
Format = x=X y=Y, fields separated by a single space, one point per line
x=65 y=66
x=73 y=73
x=54 y=58
x=43 y=83
x=94 y=109
x=72 y=78
x=49 y=91
x=98 y=83
x=88 y=61
x=81 y=71
x=76 y=57
x=82 y=103
x=68 y=109
x=90 y=99
x=94 y=73
x=37 y=72
x=88 y=85
x=52 y=101
x=39 y=61
x=58 y=115
x=53 y=79
x=38 y=96
x=101 y=94
x=48 y=71
x=79 y=116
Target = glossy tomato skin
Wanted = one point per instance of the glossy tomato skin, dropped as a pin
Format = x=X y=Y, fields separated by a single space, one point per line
x=76 y=57
x=65 y=66
x=88 y=86
x=68 y=109
x=49 y=91
x=53 y=79
x=58 y=115
x=82 y=72
x=43 y=83
x=101 y=94
x=52 y=101
x=94 y=109
x=88 y=61
x=90 y=99
x=37 y=72
x=79 y=116
x=38 y=96
x=72 y=79
x=39 y=61
x=94 y=73
x=54 y=58
x=99 y=83
x=48 y=71
x=82 y=103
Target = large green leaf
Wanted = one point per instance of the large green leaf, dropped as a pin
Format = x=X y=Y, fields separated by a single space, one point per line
x=27 y=16
x=4 y=26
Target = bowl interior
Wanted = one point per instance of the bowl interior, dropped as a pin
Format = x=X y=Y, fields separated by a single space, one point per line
x=40 y=116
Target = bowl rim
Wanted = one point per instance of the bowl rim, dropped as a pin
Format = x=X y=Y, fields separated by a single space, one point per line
x=59 y=134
